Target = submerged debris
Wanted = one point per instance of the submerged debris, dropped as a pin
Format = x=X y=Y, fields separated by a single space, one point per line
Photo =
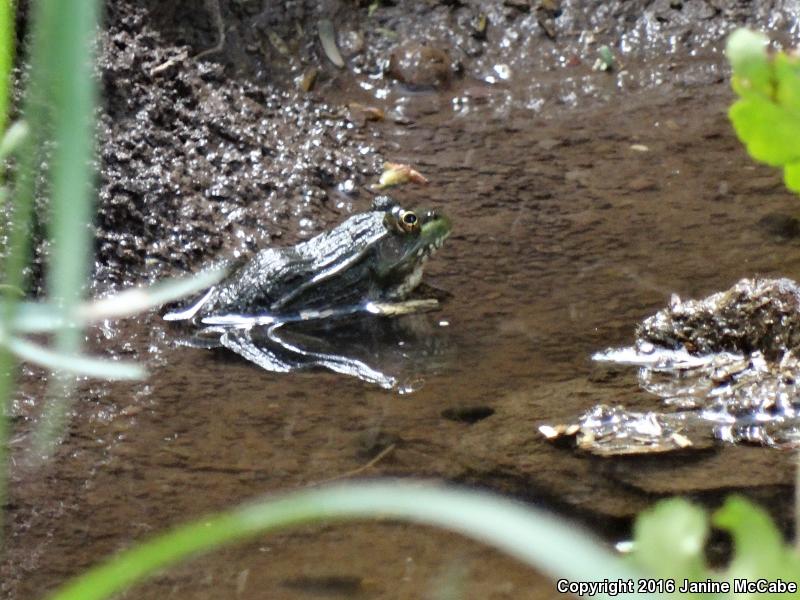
x=607 y=430
x=398 y=174
x=729 y=362
x=277 y=42
x=605 y=60
x=546 y=13
x=479 y=26
x=363 y=113
x=308 y=79
x=327 y=37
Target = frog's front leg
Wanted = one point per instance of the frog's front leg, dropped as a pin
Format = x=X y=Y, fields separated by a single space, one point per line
x=403 y=307
x=387 y=308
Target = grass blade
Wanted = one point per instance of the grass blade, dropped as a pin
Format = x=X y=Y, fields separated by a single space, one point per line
x=75 y=364
x=7 y=363
x=68 y=26
x=136 y=300
x=65 y=39
x=538 y=539
x=6 y=58
x=37 y=317
x=13 y=138
x=43 y=317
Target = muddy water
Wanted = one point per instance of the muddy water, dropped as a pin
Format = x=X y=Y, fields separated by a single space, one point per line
x=571 y=224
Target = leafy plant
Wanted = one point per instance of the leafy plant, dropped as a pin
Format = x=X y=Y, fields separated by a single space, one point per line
x=670 y=540
x=766 y=116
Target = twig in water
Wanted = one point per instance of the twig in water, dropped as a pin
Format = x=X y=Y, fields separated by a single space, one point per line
x=180 y=57
x=381 y=455
x=216 y=13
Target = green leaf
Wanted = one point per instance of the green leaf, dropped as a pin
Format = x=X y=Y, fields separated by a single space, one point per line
x=669 y=540
x=42 y=317
x=760 y=552
x=791 y=176
x=770 y=132
x=746 y=51
x=787 y=77
x=767 y=115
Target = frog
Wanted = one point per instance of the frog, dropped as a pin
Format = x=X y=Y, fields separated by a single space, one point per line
x=370 y=264
x=727 y=366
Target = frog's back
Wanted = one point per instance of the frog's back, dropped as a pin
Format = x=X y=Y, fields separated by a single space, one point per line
x=259 y=283
x=308 y=275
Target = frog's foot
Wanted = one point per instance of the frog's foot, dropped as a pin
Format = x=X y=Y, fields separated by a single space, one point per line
x=239 y=321
x=241 y=342
x=407 y=307
x=425 y=290
x=189 y=312
x=387 y=309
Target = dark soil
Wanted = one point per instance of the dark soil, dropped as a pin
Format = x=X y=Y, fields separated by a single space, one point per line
x=580 y=199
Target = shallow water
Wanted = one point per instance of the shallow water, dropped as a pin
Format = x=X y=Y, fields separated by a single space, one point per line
x=571 y=224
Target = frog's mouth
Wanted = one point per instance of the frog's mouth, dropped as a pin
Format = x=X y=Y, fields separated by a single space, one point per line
x=429 y=249
x=407 y=270
x=431 y=237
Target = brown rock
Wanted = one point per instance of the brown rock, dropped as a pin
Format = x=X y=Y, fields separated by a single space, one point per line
x=420 y=66
x=642 y=184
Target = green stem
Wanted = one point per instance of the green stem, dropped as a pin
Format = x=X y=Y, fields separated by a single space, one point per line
x=7 y=363
x=68 y=28
x=534 y=537
x=7 y=366
x=7 y=14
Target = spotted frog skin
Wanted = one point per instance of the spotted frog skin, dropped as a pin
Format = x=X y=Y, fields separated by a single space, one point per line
x=369 y=263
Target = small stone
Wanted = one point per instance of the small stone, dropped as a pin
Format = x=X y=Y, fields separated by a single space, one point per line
x=522 y=5
x=579 y=176
x=420 y=66
x=351 y=43
x=131 y=411
x=468 y=414
x=780 y=225
x=548 y=143
x=642 y=184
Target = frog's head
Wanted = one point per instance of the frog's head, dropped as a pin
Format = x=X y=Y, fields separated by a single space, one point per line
x=412 y=237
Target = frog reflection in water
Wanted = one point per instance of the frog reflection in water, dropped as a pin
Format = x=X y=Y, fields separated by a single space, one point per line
x=367 y=266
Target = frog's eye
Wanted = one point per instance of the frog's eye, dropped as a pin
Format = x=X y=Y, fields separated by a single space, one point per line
x=408 y=221
x=402 y=221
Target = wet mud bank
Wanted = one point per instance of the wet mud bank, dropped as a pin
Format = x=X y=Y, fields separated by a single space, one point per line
x=580 y=201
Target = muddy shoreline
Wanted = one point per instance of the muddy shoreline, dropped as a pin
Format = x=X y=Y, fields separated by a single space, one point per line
x=567 y=232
